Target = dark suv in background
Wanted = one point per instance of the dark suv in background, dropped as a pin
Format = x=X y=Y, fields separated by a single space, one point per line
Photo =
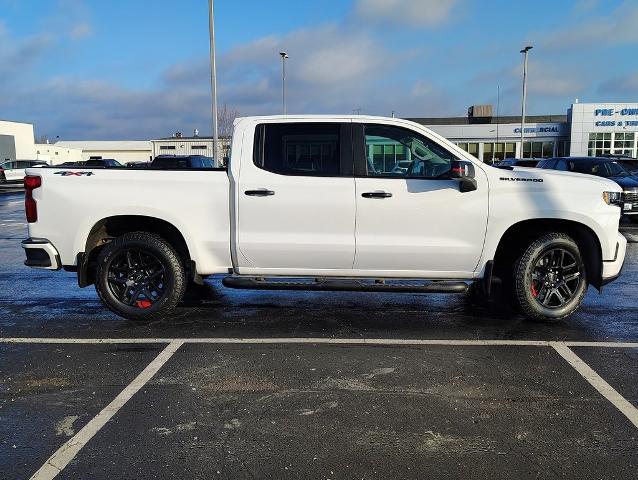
x=518 y=162
x=602 y=167
x=102 y=162
x=180 y=162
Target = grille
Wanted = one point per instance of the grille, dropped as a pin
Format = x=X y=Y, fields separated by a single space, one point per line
x=631 y=197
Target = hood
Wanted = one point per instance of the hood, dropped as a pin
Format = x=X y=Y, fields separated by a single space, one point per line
x=627 y=183
x=556 y=178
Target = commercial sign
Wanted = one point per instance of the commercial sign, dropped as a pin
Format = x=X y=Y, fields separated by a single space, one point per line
x=552 y=129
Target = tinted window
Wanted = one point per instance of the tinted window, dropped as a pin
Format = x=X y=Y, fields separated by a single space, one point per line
x=600 y=169
x=398 y=152
x=527 y=163
x=23 y=164
x=546 y=164
x=305 y=149
x=170 y=163
x=630 y=165
x=561 y=165
x=201 y=162
x=7 y=166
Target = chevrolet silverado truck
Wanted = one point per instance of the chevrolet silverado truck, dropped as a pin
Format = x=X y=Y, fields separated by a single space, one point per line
x=318 y=203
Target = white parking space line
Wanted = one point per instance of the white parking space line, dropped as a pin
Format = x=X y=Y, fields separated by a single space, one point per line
x=601 y=344
x=327 y=341
x=596 y=381
x=61 y=458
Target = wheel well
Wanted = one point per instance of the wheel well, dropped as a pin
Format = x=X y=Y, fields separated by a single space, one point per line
x=520 y=235
x=109 y=228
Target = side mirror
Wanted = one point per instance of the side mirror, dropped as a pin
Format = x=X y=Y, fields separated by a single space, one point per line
x=464 y=172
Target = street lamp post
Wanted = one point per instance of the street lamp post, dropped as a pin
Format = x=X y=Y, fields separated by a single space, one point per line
x=213 y=82
x=284 y=57
x=525 y=52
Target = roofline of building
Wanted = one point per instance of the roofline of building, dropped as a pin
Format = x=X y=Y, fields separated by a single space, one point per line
x=507 y=119
x=14 y=121
x=177 y=139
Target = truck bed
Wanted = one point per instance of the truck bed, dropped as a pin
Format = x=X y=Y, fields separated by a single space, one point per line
x=72 y=201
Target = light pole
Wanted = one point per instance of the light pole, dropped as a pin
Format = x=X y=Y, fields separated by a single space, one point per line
x=284 y=57
x=525 y=52
x=213 y=82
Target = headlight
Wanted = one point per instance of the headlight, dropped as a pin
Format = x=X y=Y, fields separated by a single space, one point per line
x=613 y=198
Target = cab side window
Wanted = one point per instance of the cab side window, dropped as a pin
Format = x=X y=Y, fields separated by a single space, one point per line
x=302 y=149
x=398 y=152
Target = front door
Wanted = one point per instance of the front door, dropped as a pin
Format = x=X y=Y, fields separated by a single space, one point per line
x=412 y=218
x=296 y=200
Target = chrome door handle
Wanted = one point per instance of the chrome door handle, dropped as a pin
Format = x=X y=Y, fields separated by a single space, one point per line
x=262 y=192
x=376 y=195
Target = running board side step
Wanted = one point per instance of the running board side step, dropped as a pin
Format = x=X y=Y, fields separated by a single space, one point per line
x=326 y=285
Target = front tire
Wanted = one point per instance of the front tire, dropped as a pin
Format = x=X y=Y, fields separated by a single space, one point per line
x=550 y=278
x=140 y=276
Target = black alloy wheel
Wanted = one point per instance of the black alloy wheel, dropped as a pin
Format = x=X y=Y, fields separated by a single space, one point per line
x=140 y=276
x=550 y=278
x=555 y=278
x=136 y=278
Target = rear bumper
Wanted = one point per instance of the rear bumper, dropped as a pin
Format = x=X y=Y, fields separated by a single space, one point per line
x=612 y=268
x=41 y=254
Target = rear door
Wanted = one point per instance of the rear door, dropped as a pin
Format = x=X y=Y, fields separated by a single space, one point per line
x=296 y=200
x=414 y=223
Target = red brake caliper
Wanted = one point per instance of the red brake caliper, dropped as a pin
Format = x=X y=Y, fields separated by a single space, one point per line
x=143 y=303
x=534 y=291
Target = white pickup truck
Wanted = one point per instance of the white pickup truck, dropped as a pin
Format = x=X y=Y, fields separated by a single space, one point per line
x=329 y=203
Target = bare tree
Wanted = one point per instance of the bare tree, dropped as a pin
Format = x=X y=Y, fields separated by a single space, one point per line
x=225 y=118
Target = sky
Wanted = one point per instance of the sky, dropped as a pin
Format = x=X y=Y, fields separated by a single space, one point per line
x=133 y=69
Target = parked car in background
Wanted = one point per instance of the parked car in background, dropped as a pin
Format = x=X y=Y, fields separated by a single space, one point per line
x=71 y=164
x=137 y=164
x=14 y=171
x=102 y=162
x=602 y=167
x=518 y=162
x=179 y=162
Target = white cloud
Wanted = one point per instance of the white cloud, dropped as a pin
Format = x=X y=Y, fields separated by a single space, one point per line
x=19 y=55
x=546 y=79
x=617 y=28
x=416 y=13
x=626 y=85
x=81 y=30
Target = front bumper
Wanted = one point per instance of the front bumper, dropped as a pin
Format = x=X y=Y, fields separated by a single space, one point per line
x=612 y=268
x=41 y=254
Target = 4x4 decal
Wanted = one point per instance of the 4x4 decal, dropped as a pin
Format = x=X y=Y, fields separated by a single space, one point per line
x=67 y=173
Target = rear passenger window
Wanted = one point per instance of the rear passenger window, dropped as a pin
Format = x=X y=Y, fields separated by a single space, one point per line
x=304 y=149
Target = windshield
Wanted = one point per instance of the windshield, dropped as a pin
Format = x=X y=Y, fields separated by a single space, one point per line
x=600 y=169
x=630 y=165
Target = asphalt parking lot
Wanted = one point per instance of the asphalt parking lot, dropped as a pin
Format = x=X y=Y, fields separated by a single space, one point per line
x=310 y=385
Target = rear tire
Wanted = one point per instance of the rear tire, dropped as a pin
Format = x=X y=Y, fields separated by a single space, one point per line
x=550 y=278
x=140 y=276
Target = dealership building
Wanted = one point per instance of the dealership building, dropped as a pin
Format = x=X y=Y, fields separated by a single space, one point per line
x=586 y=129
